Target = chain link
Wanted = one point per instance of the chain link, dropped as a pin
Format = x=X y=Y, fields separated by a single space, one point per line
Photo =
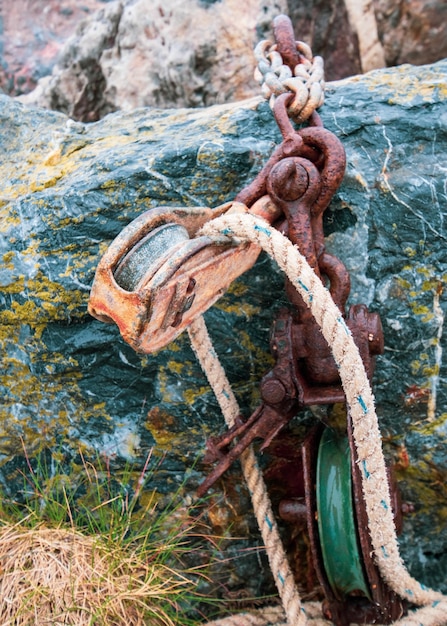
x=306 y=81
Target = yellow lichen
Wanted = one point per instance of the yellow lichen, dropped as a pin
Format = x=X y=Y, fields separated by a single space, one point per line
x=176 y=366
x=427 y=484
x=191 y=395
x=241 y=309
x=403 y=86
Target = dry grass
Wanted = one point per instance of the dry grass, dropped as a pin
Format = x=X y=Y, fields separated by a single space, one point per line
x=60 y=576
x=98 y=547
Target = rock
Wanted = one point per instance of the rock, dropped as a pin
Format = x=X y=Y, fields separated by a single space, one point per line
x=362 y=17
x=32 y=38
x=327 y=29
x=144 y=54
x=412 y=32
x=357 y=35
x=194 y=55
x=70 y=384
x=140 y=53
x=78 y=83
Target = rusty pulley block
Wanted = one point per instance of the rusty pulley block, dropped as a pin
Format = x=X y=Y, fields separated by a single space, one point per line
x=160 y=273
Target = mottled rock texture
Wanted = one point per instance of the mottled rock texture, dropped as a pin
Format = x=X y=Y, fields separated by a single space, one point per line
x=191 y=53
x=412 y=32
x=172 y=54
x=68 y=382
x=32 y=36
x=408 y=32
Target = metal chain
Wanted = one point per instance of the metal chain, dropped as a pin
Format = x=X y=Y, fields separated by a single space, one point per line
x=306 y=80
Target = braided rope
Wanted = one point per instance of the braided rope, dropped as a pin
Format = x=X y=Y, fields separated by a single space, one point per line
x=272 y=616
x=306 y=81
x=202 y=346
x=360 y=401
x=258 y=618
x=433 y=615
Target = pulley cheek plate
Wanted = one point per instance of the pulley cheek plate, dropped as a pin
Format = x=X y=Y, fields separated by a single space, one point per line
x=192 y=276
x=198 y=283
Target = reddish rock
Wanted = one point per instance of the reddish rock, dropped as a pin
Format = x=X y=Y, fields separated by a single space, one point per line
x=325 y=27
x=412 y=32
x=33 y=36
x=134 y=53
x=143 y=53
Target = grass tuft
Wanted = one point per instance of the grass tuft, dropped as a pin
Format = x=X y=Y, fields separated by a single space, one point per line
x=60 y=576
x=92 y=550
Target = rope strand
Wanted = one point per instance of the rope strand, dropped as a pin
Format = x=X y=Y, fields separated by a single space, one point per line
x=366 y=431
x=202 y=346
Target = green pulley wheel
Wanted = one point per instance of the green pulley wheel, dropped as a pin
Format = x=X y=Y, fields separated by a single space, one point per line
x=336 y=518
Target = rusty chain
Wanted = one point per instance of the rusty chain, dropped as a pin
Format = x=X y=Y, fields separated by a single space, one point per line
x=295 y=71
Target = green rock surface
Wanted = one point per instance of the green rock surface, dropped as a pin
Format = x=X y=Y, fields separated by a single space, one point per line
x=70 y=385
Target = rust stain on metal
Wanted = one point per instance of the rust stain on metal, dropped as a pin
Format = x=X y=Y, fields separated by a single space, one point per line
x=153 y=297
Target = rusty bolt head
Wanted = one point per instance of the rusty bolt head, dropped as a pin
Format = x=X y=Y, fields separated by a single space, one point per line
x=289 y=180
x=273 y=391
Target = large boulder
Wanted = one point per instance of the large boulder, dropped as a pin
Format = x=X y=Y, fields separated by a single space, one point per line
x=134 y=53
x=140 y=53
x=412 y=32
x=358 y=35
x=70 y=385
x=33 y=35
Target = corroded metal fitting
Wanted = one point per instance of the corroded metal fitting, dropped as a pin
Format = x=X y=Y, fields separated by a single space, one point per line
x=159 y=274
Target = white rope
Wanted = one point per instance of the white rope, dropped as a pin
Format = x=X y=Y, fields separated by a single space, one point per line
x=360 y=400
x=279 y=564
x=272 y=616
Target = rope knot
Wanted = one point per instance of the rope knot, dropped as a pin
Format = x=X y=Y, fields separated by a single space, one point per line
x=306 y=81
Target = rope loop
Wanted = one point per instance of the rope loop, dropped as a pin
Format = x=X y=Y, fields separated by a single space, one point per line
x=306 y=81
x=366 y=433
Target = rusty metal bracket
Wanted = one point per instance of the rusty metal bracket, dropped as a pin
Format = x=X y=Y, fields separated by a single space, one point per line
x=304 y=374
x=300 y=178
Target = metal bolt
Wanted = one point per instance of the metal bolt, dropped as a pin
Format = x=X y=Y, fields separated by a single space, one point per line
x=293 y=510
x=289 y=180
x=273 y=391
